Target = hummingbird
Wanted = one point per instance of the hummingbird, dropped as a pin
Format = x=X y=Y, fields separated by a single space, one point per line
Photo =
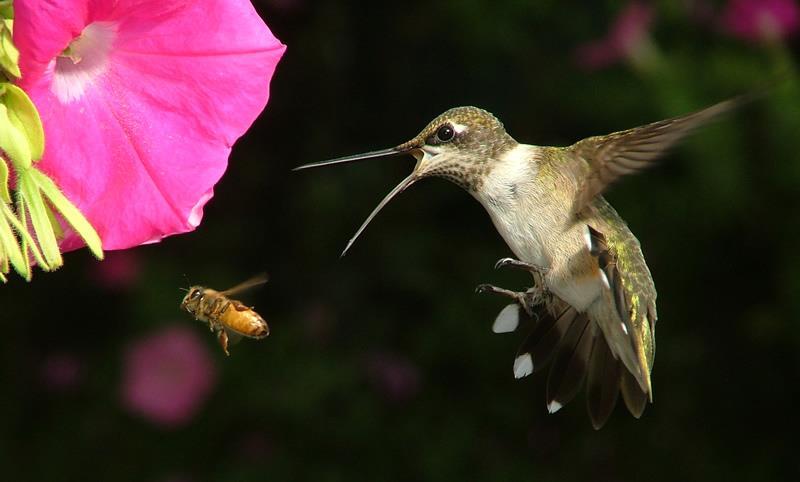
x=593 y=303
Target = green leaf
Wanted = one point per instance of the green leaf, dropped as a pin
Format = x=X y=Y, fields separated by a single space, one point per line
x=28 y=189
x=23 y=114
x=12 y=250
x=71 y=213
x=13 y=141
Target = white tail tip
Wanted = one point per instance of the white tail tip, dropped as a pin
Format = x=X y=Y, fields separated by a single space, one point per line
x=508 y=319
x=523 y=365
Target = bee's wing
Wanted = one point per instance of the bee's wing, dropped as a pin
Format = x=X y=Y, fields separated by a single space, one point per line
x=234 y=336
x=259 y=279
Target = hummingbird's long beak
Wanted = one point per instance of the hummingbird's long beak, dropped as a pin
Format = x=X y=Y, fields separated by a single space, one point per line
x=392 y=151
x=404 y=184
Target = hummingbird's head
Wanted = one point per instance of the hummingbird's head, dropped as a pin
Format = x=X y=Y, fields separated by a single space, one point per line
x=459 y=145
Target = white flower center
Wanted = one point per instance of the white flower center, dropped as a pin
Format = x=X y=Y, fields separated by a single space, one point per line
x=83 y=61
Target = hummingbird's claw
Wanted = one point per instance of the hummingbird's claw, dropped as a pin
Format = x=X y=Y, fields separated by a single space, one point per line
x=515 y=263
x=489 y=288
x=520 y=298
x=528 y=300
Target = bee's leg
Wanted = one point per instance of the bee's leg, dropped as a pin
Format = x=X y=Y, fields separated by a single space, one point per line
x=214 y=310
x=222 y=336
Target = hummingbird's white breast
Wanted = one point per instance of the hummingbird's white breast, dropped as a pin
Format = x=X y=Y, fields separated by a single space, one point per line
x=531 y=213
x=506 y=195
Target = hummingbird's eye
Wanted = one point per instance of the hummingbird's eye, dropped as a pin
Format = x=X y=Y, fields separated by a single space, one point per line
x=445 y=133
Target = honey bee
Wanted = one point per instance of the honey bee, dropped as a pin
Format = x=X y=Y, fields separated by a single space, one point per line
x=229 y=319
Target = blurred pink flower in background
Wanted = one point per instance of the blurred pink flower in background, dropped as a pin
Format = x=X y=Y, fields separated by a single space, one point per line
x=119 y=270
x=396 y=378
x=761 y=20
x=61 y=371
x=141 y=102
x=626 y=39
x=168 y=376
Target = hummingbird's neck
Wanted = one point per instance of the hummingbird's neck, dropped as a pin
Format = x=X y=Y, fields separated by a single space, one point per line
x=506 y=178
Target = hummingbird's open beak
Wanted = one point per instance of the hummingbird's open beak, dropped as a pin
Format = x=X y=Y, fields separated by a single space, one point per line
x=404 y=184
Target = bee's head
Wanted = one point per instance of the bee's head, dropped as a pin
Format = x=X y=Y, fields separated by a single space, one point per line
x=192 y=298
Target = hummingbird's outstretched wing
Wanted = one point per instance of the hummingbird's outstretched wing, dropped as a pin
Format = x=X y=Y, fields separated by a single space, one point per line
x=626 y=152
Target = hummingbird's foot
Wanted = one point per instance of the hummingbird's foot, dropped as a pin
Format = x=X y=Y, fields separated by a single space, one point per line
x=528 y=300
x=489 y=288
x=515 y=263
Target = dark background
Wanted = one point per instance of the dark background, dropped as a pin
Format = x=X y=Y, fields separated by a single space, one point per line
x=382 y=365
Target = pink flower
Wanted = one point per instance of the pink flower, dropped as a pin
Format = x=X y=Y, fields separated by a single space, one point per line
x=61 y=371
x=761 y=20
x=141 y=102
x=627 y=36
x=168 y=376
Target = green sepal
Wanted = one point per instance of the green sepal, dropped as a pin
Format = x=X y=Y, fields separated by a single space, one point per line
x=26 y=240
x=9 y=55
x=58 y=231
x=71 y=214
x=27 y=188
x=5 y=196
x=3 y=259
x=23 y=114
x=12 y=251
x=13 y=141
x=27 y=243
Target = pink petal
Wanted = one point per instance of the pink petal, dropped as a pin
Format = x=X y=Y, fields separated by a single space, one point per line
x=143 y=143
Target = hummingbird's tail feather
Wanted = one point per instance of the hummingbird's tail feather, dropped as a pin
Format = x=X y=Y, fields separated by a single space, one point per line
x=569 y=367
x=602 y=382
x=541 y=343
